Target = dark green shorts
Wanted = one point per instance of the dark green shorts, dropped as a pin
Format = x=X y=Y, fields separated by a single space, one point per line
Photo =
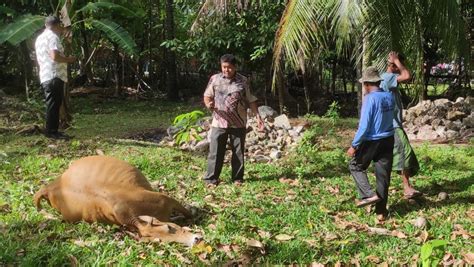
x=404 y=157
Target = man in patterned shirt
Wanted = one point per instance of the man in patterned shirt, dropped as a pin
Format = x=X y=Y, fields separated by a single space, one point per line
x=228 y=95
x=53 y=73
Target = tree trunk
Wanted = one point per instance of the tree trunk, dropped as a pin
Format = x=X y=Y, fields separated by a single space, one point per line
x=85 y=66
x=118 y=62
x=27 y=68
x=171 y=77
x=333 y=78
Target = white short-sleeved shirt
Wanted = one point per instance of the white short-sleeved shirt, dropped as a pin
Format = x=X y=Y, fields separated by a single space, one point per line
x=48 y=68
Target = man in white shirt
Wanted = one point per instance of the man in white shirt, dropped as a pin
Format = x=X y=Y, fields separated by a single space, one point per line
x=53 y=72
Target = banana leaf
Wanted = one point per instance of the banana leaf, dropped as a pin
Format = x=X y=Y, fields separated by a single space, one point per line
x=116 y=34
x=21 y=29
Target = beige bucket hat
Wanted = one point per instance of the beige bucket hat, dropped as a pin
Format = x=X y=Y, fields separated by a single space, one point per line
x=371 y=74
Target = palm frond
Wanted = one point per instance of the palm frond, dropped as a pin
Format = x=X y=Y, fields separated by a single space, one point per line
x=116 y=34
x=21 y=29
x=97 y=6
x=347 y=17
x=296 y=34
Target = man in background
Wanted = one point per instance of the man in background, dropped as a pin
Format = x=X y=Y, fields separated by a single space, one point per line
x=53 y=73
x=404 y=158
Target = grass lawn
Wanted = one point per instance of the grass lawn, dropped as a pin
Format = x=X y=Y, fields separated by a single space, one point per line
x=298 y=210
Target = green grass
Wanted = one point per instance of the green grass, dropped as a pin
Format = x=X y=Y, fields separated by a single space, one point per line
x=315 y=208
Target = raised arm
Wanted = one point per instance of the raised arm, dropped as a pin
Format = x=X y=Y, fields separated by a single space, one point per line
x=404 y=72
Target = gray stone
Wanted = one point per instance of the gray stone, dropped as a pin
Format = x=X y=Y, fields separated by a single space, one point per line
x=436 y=122
x=443 y=196
x=172 y=130
x=455 y=115
x=426 y=133
x=282 y=122
x=420 y=222
x=453 y=125
x=275 y=154
x=442 y=102
x=440 y=130
x=267 y=112
x=262 y=159
x=202 y=146
x=469 y=121
x=450 y=134
x=299 y=129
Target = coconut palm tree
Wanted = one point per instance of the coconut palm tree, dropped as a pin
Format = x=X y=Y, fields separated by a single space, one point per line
x=365 y=29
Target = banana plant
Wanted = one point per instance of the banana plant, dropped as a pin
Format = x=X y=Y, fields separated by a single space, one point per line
x=25 y=26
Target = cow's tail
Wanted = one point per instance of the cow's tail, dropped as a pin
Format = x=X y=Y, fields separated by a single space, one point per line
x=40 y=195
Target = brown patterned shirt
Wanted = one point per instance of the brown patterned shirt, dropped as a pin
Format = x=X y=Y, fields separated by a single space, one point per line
x=231 y=99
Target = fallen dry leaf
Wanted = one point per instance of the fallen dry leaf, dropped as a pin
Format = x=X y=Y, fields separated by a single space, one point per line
x=283 y=237
x=333 y=190
x=330 y=236
x=99 y=152
x=373 y=258
x=263 y=234
x=73 y=261
x=254 y=243
x=316 y=264
x=48 y=215
x=448 y=259
x=423 y=236
x=181 y=258
x=293 y=182
x=399 y=234
x=468 y=258
x=459 y=231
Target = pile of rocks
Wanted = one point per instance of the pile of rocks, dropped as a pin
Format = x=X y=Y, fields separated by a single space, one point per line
x=441 y=119
x=272 y=144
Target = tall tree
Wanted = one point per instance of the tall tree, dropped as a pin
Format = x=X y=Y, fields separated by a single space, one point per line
x=171 y=69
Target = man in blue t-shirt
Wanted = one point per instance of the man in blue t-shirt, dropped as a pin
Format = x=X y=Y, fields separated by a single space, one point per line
x=404 y=158
x=373 y=142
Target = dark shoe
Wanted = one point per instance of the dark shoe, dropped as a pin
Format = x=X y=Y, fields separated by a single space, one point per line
x=367 y=201
x=58 y=136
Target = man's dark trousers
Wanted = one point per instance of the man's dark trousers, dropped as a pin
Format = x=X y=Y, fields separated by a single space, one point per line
x=217 y=148
x=381 y=153
x=53 y=95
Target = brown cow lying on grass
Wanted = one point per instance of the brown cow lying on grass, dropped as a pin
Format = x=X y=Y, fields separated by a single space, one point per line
x=108 y=190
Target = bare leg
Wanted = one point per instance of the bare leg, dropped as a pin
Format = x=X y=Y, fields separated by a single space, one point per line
x=408 y=189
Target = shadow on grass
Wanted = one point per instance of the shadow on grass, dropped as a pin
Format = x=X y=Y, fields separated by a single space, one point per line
x=455 y=186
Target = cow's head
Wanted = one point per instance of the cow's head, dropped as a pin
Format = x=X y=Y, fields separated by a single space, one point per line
x=155 y=230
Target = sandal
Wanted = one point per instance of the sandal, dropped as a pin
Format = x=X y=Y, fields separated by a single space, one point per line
x=413 y=194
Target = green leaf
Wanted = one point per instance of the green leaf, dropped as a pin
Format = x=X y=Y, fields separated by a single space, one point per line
x=117 y=34
x=7 y=11
x=21 y=29
x=108 y=5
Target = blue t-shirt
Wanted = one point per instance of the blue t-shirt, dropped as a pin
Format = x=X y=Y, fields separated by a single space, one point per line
x=390 y=84
x=376 y=120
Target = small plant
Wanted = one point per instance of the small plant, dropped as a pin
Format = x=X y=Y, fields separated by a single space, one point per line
x=188 y=127
x=333 y=112
x=432 y=252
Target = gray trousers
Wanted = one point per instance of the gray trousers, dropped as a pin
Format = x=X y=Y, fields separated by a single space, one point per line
x=381 y=153
x=217 y=148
